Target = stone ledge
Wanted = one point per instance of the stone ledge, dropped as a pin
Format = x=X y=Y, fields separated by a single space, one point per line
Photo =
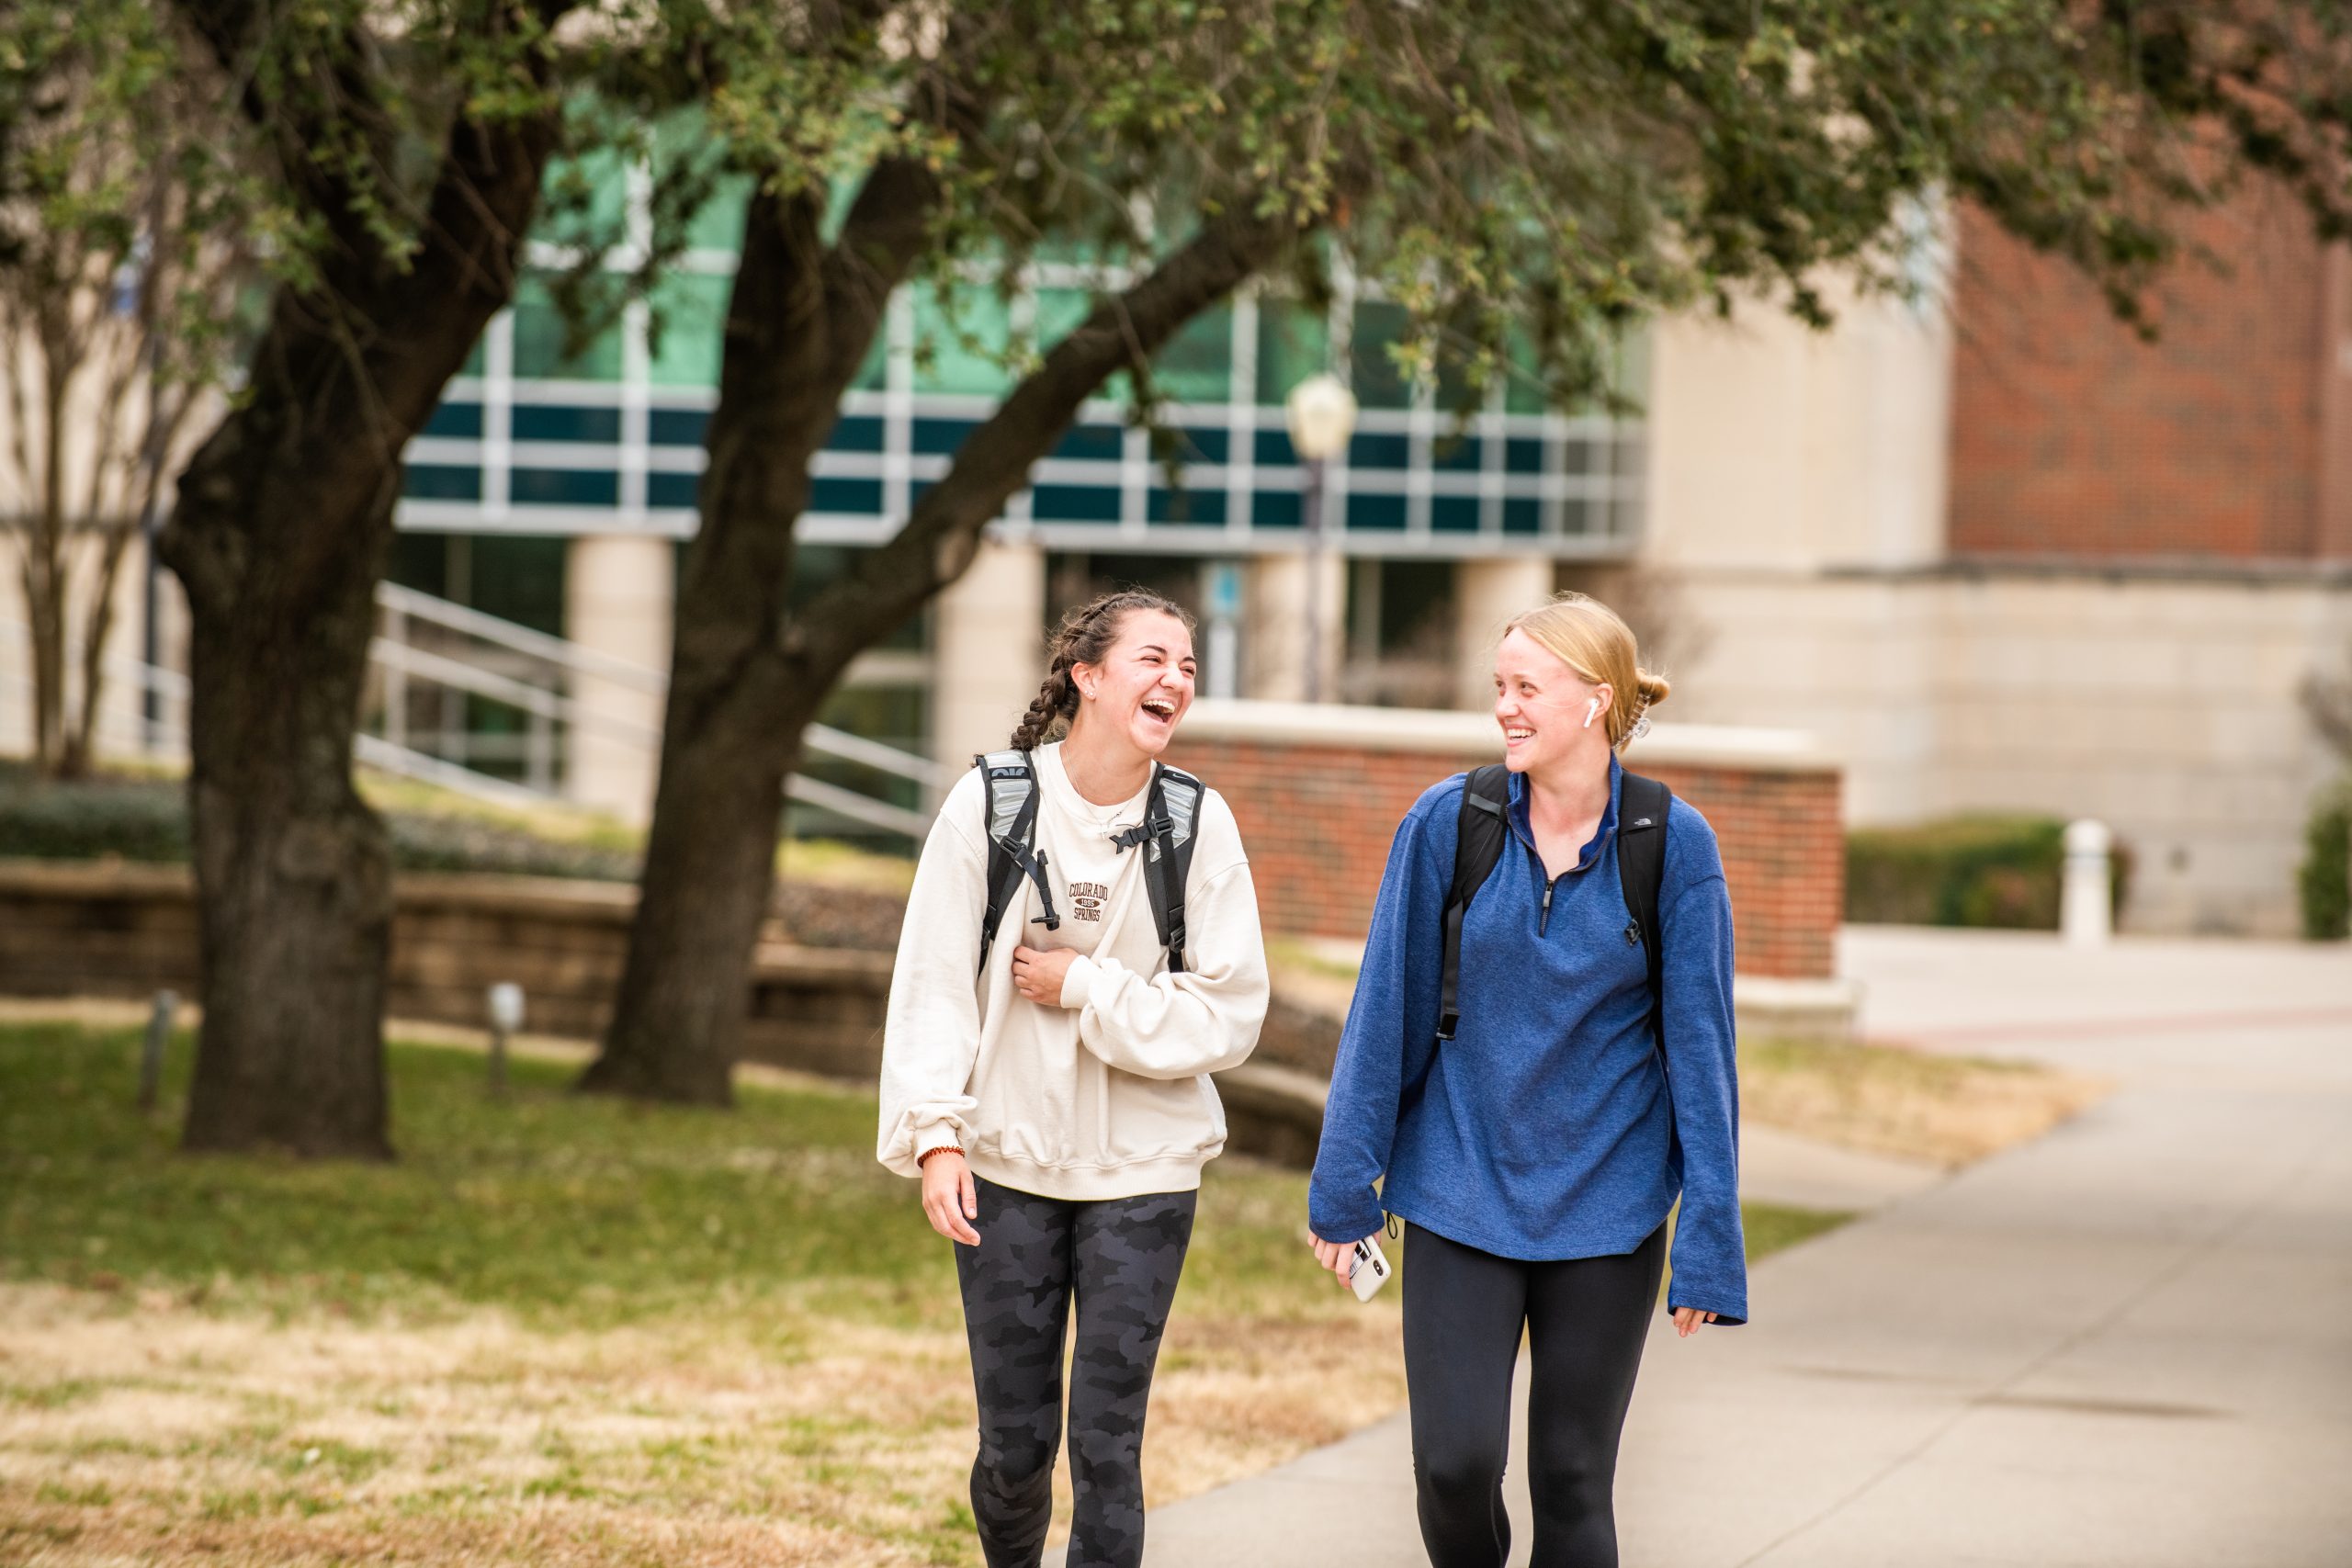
x=1767 y=1005
x=1473 y=734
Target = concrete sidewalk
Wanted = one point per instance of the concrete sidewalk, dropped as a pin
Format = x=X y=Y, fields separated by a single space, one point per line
x=2125 y=1344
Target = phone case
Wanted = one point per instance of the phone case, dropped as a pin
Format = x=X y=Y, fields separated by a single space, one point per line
x=1369 y=1270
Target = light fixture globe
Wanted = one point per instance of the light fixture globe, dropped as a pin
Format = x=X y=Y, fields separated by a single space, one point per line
x=1322 y=415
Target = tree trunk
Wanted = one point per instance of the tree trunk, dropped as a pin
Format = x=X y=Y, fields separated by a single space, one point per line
x=45 y=616
x=709 y=870
x=281 y=531
x=739 y=699
x=98 y=629
x=293 y=870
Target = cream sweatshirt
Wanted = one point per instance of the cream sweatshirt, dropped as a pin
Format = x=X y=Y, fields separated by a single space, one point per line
x=1108 y=1095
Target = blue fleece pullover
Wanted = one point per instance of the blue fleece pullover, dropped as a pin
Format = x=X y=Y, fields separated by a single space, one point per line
x=1547 y=1128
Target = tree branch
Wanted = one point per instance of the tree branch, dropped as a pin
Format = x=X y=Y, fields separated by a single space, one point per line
x=938 y=541
x=887 y=231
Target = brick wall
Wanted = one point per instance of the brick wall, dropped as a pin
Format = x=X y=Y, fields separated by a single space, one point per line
x=1318 y=793
x=2220 y=440
x=73 y=930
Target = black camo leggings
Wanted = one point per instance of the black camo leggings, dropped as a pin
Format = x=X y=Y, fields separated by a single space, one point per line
x=1118 y=1260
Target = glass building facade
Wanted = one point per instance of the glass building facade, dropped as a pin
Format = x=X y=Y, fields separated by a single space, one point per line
x=539 y=436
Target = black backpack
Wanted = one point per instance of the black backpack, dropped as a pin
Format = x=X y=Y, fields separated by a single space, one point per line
x=1171 y=813
x=1640 y=868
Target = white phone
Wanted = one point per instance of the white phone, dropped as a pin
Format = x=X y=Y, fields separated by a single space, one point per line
x=1369 y=1268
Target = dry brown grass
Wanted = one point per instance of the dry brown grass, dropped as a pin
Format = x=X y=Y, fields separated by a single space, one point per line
x=1888 y=1100
x=148 y=1430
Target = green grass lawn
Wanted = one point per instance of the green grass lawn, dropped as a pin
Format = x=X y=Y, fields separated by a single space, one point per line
x=561 y=1328
x=567 y=1211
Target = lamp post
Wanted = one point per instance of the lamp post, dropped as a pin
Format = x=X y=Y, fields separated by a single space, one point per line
x=1322 y=415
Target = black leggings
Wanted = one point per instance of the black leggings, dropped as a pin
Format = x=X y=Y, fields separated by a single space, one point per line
x=1585 y=1321
x=1118 y=1260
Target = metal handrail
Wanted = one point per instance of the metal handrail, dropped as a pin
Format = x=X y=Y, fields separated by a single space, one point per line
x=373 y=749
x=822 y=739
x=522 y=640
x=403 y=658
x=483 y=682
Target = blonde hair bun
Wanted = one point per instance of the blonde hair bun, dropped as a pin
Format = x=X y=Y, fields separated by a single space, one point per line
x=1593 y=640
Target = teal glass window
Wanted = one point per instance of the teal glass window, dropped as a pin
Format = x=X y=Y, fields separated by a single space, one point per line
x=683 y=138
x=718 y=223
x=540 y=340
x=963 y=344
x=1197 y=364
x=1294 y=342
x=688 y=330
x=1379 y=382
x=586 y=197
x=1525 y=388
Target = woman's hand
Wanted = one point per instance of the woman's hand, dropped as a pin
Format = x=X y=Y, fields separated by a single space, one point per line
x=1688 y=1319
x=949 y=1201
x=1339 y=1256
x=1038 y=974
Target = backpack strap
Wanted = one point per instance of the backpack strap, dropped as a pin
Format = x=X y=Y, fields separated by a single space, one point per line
x=1012 y=835
x=1171 y=822
x=1641 y=870
x=1477 y=845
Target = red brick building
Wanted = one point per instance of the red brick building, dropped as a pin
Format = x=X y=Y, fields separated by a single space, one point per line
x=2227 y=438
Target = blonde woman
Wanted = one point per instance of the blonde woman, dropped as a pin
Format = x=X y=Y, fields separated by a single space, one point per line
x=1537 y=1151
x=1056 y=1106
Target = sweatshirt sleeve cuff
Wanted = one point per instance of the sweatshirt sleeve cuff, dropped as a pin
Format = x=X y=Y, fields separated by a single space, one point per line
x=1078 y=982
x=938 y=1136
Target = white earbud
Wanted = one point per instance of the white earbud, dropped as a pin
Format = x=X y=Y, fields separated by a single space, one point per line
x=1590 y=709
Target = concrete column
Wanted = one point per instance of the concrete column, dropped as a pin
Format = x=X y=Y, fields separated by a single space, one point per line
x=620 y=595
x=988 y=650
x=1486 y=594
x=1274 y=625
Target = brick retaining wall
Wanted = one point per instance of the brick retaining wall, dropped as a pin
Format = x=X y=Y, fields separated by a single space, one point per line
x=112 y=930
x=1318 y=793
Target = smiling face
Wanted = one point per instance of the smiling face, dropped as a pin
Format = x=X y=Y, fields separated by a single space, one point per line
x=1540 y=701
x=1143 y=684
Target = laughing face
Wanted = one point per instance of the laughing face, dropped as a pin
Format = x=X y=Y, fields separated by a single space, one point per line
x=1143 y=684
x=1541 y=702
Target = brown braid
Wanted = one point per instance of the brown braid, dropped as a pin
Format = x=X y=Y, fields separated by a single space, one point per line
x=1085 y=635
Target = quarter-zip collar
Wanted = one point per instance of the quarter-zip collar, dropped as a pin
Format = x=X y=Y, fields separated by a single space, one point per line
x=1523 y=826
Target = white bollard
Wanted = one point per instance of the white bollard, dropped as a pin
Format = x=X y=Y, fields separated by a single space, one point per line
x=2087 y=897
x=505 y=1017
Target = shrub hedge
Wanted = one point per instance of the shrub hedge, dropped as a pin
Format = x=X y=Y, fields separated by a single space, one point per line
x=2325 y=880
x=146 y=819
x=1978 y=870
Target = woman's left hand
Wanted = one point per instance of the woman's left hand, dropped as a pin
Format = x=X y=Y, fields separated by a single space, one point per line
x=1688 y=1319
x=1038 y=974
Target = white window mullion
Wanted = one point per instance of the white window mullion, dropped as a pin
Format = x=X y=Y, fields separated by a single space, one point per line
x=1241 y=415
x=898 y=409
x=498 y=416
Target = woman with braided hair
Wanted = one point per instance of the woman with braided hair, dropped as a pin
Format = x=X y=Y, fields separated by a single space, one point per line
x=1056 y=1108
